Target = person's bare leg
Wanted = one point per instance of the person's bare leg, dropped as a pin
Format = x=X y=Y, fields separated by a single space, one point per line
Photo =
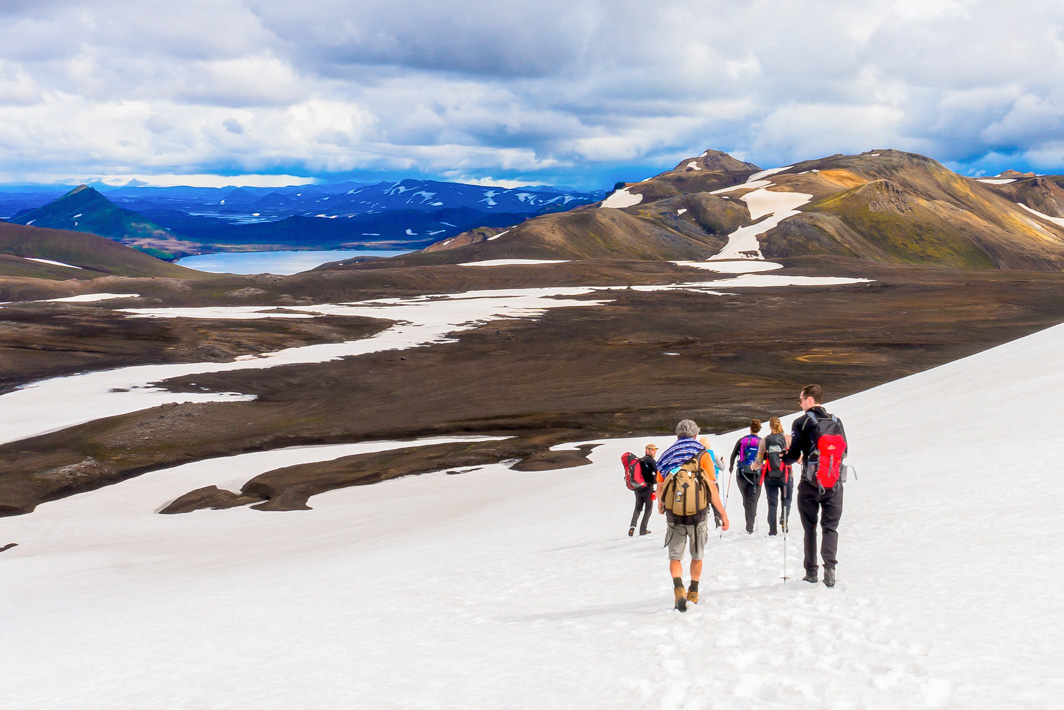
x=676 y=568
x=696 y=570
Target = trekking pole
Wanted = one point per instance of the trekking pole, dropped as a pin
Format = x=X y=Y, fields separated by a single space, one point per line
x=786 y=526
x=727 y=493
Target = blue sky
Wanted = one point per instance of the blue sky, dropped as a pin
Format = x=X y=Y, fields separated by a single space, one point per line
x=580 y=93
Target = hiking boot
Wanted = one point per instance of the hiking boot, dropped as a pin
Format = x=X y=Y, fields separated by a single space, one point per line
x=811 y=577
x=681 y=598
x=645 y=532
x=829 y=576
x=631 y=531
x=692 y=596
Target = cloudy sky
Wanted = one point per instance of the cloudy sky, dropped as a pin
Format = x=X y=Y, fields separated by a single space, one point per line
x=572 y=92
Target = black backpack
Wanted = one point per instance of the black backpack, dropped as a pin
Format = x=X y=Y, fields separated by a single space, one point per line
x=775 y=447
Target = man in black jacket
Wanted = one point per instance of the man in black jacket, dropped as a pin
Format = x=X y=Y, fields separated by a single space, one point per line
x=645 y=495
x=813 y=499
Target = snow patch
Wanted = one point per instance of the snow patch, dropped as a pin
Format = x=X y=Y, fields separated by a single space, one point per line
x=49 y=261
x=622 y=198
x=505 y=231
x=745 y=266
x=778 y=206
x=681 y=210
x=693 y=165
x=996 y=181
x=89 y=298
x=513 y=262
x=1059 y=221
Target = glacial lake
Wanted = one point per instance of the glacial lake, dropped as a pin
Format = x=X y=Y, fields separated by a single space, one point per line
x=274 y=262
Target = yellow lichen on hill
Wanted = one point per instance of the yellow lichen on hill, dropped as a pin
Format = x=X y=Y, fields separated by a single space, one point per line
x=843 y=178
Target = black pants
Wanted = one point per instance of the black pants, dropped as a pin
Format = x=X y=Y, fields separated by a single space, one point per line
x=778 y=489
x=642 y=501
x=751 y=493
x=828 y=504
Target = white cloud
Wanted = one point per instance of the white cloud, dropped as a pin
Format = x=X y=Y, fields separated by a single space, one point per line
x=559 y=89
x=165 y=180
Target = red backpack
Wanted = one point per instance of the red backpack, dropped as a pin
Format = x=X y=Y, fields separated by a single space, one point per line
x=830 y=447
x=633 y=472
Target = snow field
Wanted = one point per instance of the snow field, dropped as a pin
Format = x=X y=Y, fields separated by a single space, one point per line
x=520 y=589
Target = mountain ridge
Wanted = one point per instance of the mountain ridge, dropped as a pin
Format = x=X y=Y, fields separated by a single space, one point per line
x=884 y=206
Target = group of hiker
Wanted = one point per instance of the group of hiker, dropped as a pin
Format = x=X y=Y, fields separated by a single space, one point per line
x=685 y=478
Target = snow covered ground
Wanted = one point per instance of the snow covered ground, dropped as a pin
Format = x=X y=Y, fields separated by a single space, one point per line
x=498 y=588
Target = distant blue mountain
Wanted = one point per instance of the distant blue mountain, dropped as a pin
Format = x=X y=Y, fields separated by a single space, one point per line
x=408 y=213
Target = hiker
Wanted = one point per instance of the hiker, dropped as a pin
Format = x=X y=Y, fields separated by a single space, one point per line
x=813 y=497
x=775 y=475
x=713 y=466
x=685 y=495
x=749 y=483
x=644 y=497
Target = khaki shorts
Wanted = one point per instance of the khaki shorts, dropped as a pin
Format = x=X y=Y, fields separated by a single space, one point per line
x=676 y=538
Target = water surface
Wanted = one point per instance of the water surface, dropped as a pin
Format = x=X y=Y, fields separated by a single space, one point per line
x=275 y=262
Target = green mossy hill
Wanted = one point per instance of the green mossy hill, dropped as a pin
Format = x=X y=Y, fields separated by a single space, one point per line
x=902 y=228
x=95 y=255
x=83 y=209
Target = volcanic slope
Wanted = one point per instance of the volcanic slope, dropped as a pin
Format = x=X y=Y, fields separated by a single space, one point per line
x=83 y=209
x=37 y=252
x=884 y=206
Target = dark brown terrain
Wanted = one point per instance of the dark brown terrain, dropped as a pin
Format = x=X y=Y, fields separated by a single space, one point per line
x=575 y=374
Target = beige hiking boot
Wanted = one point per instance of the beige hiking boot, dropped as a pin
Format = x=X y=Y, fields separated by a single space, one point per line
x=681 y=598
x=692 y=596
